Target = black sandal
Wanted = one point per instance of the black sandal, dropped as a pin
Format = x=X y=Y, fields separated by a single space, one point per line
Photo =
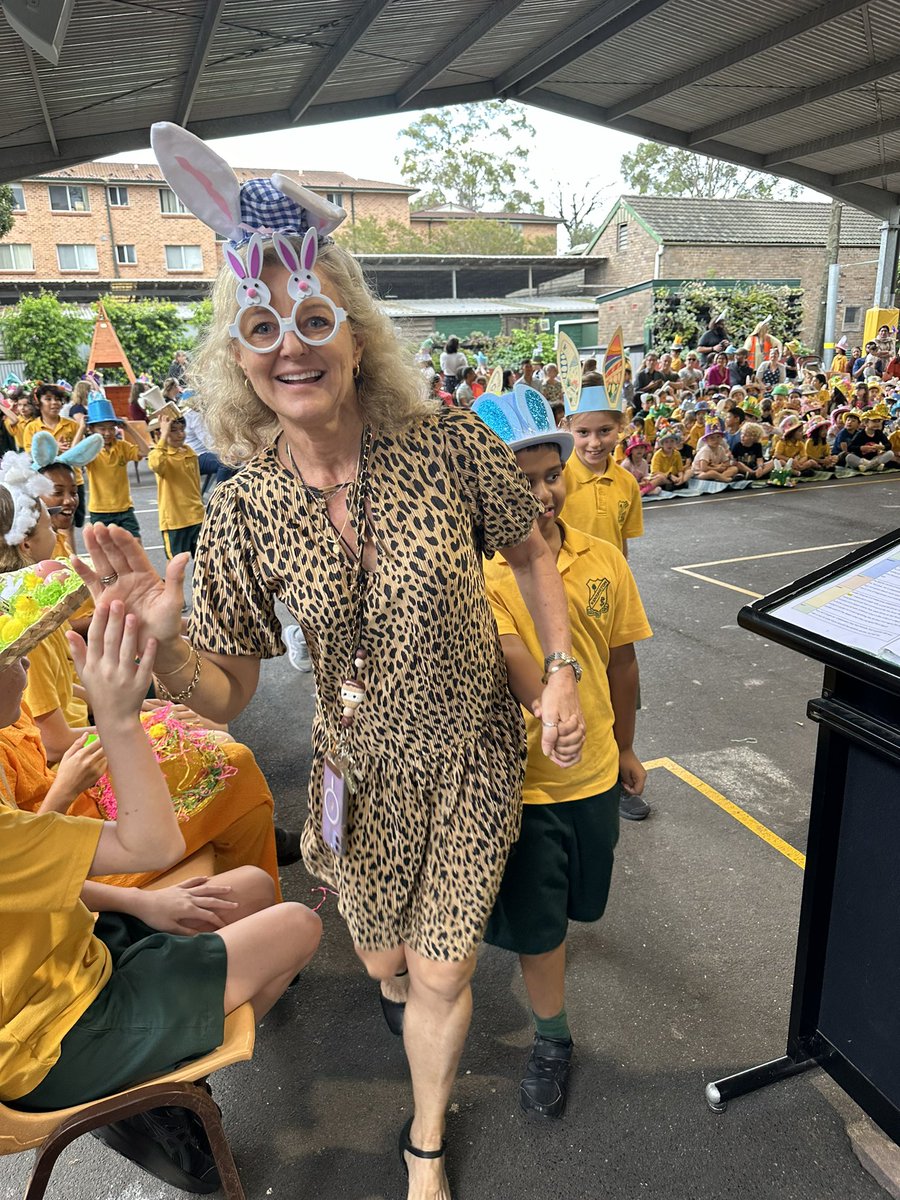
x=406 y=1147
x=393 y=1010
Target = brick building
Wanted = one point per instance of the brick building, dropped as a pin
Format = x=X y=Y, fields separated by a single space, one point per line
x=532 y=226
x=120 y=222
x=651 y=242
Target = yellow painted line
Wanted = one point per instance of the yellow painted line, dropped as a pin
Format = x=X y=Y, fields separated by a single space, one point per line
x=718 y=562
x=759 y=493
x=732 y=587
x=733 y=810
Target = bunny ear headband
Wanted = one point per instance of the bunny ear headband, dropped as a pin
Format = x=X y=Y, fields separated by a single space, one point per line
x=45 y=451
x=26 y=489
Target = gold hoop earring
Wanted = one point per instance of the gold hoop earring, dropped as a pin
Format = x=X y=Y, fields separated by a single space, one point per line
x=356 y=370
x=247 y=384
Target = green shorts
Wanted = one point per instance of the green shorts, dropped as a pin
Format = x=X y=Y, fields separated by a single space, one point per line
x=163 y=1004
x=558 y=871
x=180 y=541
x=127 y=520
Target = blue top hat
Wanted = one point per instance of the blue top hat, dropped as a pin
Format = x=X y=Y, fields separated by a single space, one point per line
x=523 y=418
x=99 y=410
x=592 y=399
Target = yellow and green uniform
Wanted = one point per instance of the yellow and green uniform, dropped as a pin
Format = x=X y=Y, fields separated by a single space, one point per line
x=177 y=486
x=607 y=505
x=108 y=478
x=605 y=611
x=666 y=464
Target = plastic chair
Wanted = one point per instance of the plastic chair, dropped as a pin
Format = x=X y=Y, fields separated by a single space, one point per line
x=51 y=1132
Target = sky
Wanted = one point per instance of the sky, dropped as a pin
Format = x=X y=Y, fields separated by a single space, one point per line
x=566 y=150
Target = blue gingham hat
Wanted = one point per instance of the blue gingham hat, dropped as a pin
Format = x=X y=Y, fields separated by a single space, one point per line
x=263 y=206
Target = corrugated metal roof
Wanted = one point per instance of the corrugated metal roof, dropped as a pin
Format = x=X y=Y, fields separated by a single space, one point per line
x=750 y=222
x=487 y=307
x=789 y=86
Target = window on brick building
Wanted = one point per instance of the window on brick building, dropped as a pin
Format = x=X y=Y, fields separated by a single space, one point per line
x=853 y=317
x=18 y=197
x=68 y=198
x=15 y=257
x=169 y=202
x=118 y=196
x=622 y=236
x=184 y=258
x=77 y=257
x=126 y=254
x=335 y=198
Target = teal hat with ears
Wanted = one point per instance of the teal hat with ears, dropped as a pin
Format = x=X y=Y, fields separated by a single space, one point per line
x=45 y=451
x=523 y=418
x=592 y=399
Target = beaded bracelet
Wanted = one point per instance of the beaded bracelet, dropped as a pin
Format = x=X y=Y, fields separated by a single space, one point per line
x=185 y=695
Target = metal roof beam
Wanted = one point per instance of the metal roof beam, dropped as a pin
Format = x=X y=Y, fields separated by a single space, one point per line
x=596 y=27
x=41 y=98
x=462 y=41
x=833 y=86
x=366 y=16
x=890 y=166
x=821 y=15
x=870 y=199
x=205 y=35
x=830 y=141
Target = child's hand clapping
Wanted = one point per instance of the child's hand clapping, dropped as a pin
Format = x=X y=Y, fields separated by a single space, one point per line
x=115 y=680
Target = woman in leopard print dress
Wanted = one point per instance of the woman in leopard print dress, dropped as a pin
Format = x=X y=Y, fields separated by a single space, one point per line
x=339 y=435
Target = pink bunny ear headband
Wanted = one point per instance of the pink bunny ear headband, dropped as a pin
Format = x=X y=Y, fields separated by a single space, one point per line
x=247 y=214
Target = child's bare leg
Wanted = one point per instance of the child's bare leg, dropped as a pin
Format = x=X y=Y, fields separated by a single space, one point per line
x=265 y=952
x=545 y=981
x=251 y=888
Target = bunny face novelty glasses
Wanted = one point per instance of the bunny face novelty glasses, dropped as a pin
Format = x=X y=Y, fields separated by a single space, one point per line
x=315 y=319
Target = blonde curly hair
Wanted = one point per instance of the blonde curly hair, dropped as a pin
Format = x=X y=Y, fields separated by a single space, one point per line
x=391 y=390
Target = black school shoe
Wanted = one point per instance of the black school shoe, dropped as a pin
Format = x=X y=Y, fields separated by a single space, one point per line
x=543 y=1091
x=632 y=807
x=169 y=1143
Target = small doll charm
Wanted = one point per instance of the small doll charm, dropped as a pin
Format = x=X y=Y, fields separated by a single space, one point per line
x=353 y=691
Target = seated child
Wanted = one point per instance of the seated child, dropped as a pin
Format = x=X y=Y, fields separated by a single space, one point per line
x=749 y=453
x=668 y=462
x=788 y=445
x=845 y=422
x=636 y=464
x=110 y=493
x=713 y=459
x=560 y=869
x=90 y=1009
x=177 y=471
x=869 y=448
x=816 y=445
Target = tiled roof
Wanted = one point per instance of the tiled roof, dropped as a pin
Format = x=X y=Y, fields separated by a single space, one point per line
x=455 y=213
x=119 y=172
x=751 y=222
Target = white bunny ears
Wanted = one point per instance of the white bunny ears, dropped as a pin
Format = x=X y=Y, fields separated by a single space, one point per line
x=26 y=489
x=206 y=184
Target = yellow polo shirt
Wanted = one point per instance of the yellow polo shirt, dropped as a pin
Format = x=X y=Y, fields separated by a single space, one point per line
x=783 y=449
x=16 y=431
x=50 y=679
x=108 y=478
x=62 y=552
x=694 y=434
x=607 y=506
x=816 y=450
x=65 y=430
x=53 y=967
x=177 y=486
x=666 y=464
x=605 y=611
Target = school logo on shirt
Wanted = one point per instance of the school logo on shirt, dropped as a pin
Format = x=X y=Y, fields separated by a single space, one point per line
x=623 y=511
x=598 y=597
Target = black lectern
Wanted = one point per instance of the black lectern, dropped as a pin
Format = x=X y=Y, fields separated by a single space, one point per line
x=845 y=1011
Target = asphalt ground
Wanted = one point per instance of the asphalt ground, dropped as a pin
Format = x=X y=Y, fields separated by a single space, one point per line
x=686 y=979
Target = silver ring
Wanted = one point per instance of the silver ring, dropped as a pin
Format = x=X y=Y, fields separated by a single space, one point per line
x=107 y=580
x=549 y=724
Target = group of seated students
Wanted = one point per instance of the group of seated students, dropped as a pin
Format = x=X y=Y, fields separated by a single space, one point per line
x=779 y=436
x=106 y=983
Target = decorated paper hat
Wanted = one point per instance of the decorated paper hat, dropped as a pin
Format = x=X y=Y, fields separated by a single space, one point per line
x=155 y=405
x=635 y=443
x=854 y=412
x=714 y=424
x=842 y=344
x=781 y=389
x=880 y=412
x=666 y=434
x=677 y=343
x=99 y=410
x=815 y=423
x=789 y=422
x=523 y=418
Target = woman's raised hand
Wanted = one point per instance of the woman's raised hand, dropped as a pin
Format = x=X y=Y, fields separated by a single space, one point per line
x=121 y=561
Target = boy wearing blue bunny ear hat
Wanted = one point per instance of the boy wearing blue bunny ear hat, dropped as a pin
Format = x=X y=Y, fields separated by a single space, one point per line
x=561 y=867
x=603 y=499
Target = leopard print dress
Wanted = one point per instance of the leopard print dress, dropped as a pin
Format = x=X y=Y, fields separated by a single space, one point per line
x=438 y=743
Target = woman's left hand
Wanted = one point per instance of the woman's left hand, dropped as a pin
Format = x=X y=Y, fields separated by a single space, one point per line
x=559 y=711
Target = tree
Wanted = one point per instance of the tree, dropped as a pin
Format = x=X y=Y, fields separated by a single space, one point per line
x=687 y=311
x=50 y=337
x=656 y=170
x=7 y=204
x=470 y=236
x=474 y=155
x=150 y=332
x=576 y=206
